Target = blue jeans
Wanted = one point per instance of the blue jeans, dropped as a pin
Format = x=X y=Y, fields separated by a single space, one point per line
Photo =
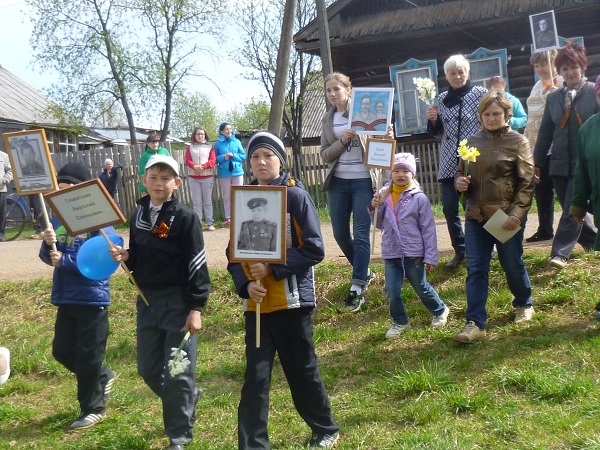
x=450 y=205
x=352 y=197
x=479 y=245
x=414 y=269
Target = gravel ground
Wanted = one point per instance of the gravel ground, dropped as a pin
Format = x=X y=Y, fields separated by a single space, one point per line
x=21 y=261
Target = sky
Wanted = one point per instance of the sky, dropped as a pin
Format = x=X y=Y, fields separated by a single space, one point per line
x=16 y=56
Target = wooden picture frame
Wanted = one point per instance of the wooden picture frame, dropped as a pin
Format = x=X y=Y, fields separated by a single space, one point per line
x=379 y=153
x=371 y=110
x=544 y=34
x=258 y=228
x=32 y=167
x=85 y=207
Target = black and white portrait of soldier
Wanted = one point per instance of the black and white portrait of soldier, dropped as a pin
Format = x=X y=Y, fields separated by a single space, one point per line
x=258 y=234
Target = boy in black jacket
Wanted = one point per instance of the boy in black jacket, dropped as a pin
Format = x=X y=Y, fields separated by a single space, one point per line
x=168 y=259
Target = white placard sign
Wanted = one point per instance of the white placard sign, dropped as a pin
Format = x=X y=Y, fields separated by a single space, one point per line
x=85 y=207
x=380 y=153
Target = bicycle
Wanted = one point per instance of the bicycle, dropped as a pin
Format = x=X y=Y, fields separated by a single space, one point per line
x=19 y=214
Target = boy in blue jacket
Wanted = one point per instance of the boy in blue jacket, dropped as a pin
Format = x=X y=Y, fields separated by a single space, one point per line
x=81 y=328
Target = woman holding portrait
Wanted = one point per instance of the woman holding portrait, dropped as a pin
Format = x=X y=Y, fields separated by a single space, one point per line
x=350 y=186
x=454 y=119
x=543 y=63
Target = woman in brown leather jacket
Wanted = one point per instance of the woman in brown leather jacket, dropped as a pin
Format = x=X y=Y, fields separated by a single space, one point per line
x=501 y=178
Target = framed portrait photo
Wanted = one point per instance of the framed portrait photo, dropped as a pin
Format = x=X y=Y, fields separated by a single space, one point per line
x=379 y=153
x=85 y=207
x=371 y=110
x=543 y=31
x=31 y=162
x=258 y=224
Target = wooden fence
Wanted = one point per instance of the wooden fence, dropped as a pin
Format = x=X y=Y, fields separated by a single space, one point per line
x=308 y=167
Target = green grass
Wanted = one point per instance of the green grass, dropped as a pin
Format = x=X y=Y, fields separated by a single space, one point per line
x=528 y=386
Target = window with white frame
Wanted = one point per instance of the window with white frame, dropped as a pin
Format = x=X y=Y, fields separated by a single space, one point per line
x=410 y=112
x=486 y=64
x=67 y=143
x=50 y=141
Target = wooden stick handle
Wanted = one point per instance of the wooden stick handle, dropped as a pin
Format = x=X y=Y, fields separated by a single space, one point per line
x=45 y=213
x=374 y=230
x=375 y=213
x=258 y=321
x=126 y=269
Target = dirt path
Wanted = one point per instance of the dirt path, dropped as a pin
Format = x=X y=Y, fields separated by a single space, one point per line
x=21 y=261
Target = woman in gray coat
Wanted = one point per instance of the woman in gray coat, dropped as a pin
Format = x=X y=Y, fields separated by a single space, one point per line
x=566 y=110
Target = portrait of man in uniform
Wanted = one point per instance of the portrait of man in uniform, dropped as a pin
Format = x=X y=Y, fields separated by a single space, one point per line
x=30 y=165
x=258 y=234
x=543 y=31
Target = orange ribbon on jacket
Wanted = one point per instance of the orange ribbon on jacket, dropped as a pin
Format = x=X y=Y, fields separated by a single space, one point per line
x=565 y=118
x=161 y=230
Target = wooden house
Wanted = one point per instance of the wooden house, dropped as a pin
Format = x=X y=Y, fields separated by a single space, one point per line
x=383 y=43
x=22 y=107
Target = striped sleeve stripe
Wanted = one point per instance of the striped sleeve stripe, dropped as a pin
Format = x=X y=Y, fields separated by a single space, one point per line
x=140 y=223
x=196 y=263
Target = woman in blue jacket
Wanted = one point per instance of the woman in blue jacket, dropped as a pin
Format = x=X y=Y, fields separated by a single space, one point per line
x=230 y=156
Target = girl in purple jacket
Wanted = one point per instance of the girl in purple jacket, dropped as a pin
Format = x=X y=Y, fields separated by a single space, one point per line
x=408 y=245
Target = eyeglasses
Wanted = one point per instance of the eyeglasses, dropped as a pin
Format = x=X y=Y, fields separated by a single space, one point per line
x=155 y=141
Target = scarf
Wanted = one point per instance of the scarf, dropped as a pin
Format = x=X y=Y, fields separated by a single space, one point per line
x=455 y=96
x=569 y=95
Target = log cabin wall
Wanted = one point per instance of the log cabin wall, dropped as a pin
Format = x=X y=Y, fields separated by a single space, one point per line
x=367 y=37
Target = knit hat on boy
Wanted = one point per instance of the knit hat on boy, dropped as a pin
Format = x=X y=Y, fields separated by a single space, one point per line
x=163 y=159
x=405 y=161
x=268 y=140
x=73 y=173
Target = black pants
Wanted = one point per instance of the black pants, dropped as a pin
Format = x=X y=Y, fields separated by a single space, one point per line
x=290 y=334
x=161 y=327
x=544 y=198
x=80 y=335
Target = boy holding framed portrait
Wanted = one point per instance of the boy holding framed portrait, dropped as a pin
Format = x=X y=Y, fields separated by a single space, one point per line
x=285 y=291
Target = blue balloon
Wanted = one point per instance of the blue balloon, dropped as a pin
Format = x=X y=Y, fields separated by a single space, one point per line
x=93 y=258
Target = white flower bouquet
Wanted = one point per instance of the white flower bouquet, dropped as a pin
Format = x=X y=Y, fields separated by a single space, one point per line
x=426 y=89
x=179 y=363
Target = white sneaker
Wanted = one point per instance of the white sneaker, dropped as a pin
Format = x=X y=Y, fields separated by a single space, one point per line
x=440 y=320
x=6 y=353
x=523 y=314
x=211 y=228
x=396 y=330
x=559 y=262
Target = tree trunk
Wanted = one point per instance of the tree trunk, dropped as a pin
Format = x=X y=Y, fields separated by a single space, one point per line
x=324 y=45
x=283 y=66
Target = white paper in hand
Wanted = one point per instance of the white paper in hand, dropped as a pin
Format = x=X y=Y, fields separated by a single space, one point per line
x=495 y=224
